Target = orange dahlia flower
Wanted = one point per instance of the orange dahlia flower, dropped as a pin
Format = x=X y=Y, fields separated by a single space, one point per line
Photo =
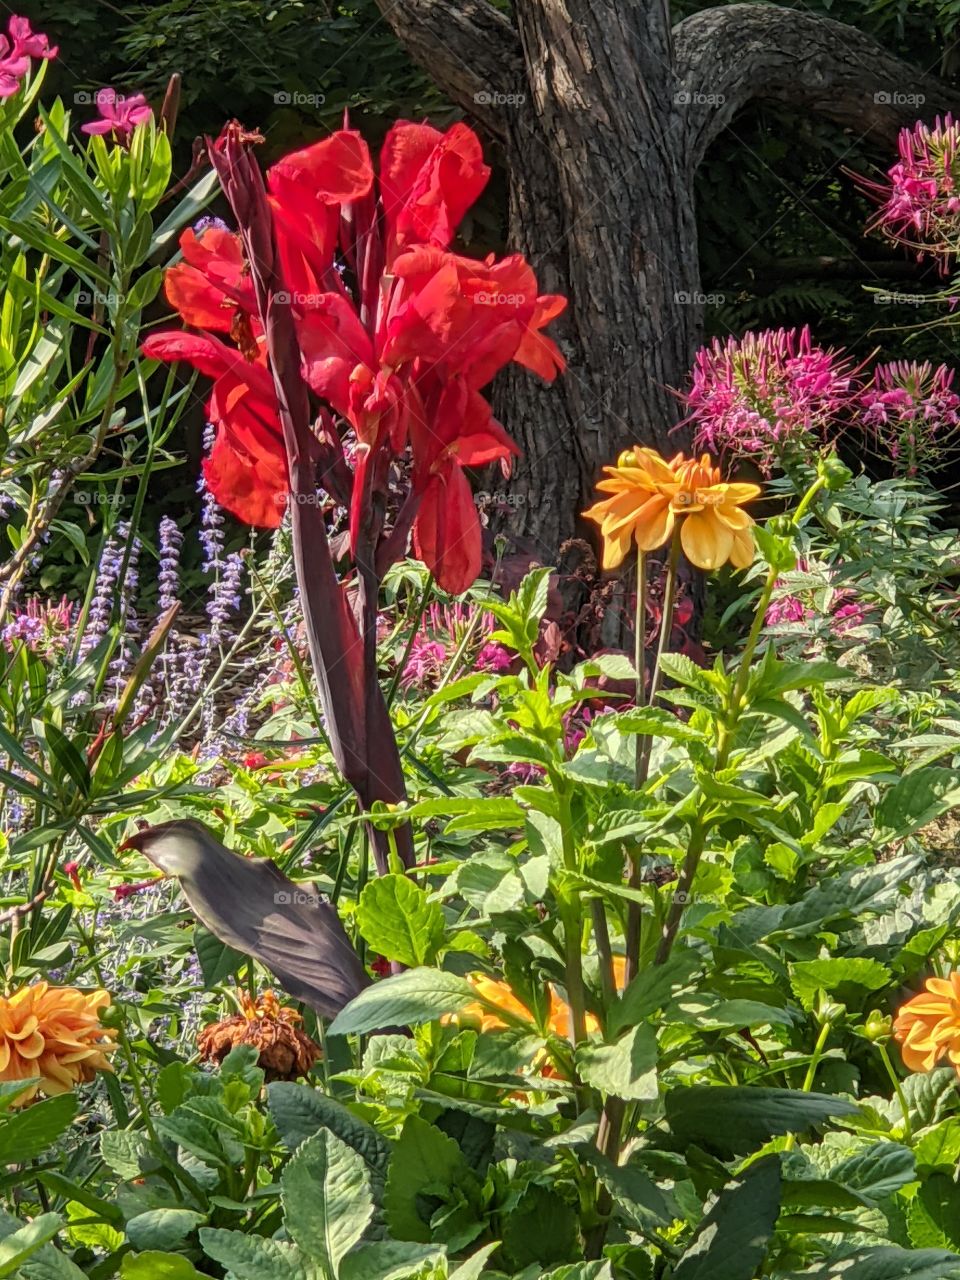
x=649 y=495
x=501 y=995
x=53 y=1035
x=927 y=1028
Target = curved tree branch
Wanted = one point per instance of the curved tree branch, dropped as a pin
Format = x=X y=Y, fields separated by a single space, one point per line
x=469 y=48
x=727 y=57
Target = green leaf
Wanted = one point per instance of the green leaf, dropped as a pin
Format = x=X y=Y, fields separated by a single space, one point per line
x=299 y=1112
x=391 y=1260
x=734 y=1118
x=217 y=960
x=916 y=800
x=327 y=1199
x=158 y=1266
x=886 y=1264
x=162 y=1229
x=933 y=1215
x=122 y=1151
x=18 y=1247
x=541 y=1229
x=733 y=1238
x=424 y=1161
x=26 y=1134
x=654 y=987
x=834 y=974
x=939 y=1147
x=627 y=1069
x=878 y=1172
x=255 y=1258
x=419 y=995
x=398 y=919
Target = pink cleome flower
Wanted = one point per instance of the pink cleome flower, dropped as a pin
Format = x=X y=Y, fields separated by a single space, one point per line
x=767 y=395
x=920 y=198
x=17 y=47
x=912 y=412
x=119 y=114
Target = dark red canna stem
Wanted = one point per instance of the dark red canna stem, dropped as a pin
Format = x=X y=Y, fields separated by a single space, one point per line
x=342 y=652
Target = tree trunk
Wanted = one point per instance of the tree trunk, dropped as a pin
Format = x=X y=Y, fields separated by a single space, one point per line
x=602 y=206
x=604 y=115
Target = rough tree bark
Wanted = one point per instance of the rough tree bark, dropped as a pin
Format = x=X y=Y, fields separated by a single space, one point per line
x=604 y=113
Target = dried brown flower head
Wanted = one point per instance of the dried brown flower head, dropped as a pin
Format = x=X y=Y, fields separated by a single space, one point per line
x=286 y=1052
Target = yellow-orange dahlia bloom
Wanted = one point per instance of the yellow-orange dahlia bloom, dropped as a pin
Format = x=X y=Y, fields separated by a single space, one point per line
x=649 y=495
x=500 y=994
x=53 y=1035
x=927 y=1028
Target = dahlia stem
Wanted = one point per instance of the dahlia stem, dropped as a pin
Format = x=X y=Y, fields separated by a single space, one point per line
x=811 y=1075
x=898 y=1090
x=640 y=654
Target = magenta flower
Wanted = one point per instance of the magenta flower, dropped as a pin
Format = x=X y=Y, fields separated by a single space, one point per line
x=442 y=630
x=785 y=610
x=768 y=395
x=17 y=47
x=44 y=627
x=119 y=114
x=920 y=199
x=912 y=412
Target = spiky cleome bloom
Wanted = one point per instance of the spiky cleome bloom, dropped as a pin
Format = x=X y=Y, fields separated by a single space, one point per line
x=912 y=412
x=53 y=1036
x=286 y=1052
x=920 y=200
x=927 y=1028
x=649 y=495
x=767 y=395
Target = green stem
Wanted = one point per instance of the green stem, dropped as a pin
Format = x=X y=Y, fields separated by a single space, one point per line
x=898 y=1089
x=640 y=655
x=811 y=1075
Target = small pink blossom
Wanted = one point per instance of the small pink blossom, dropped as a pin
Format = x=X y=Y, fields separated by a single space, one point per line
x=920 y=198
x=17 y=47
x=494 y=657
x=786 y=609
x=913 y=413
x=768 y=394
x=119 y=114
x=44 y=627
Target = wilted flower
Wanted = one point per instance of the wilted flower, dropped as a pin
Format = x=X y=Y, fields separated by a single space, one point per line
x=286 y=1052
x=119 y=114
x=649 y=495
x=912 y=411
x=53 y=1035
x=919 y=200
x=927 y=1027
x=767 y=394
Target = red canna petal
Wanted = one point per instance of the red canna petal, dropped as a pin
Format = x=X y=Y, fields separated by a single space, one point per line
x=446 y=534
x=428 y=181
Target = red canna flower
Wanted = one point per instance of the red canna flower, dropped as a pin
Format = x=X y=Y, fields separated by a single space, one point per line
x=247 y=469
x=428 y=181
x=396 y=337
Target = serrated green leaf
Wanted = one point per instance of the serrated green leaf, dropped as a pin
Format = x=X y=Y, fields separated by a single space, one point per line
x=398 y=919
x=733 y=1238
x=327 y=1199
x=627 y=1069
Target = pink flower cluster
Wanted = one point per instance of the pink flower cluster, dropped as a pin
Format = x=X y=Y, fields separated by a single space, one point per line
x=913 y=413
x=17 y=47
x=44 y=627
x=920 y=199
x=441 y=633
x=767 y=394
x=119 y=114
